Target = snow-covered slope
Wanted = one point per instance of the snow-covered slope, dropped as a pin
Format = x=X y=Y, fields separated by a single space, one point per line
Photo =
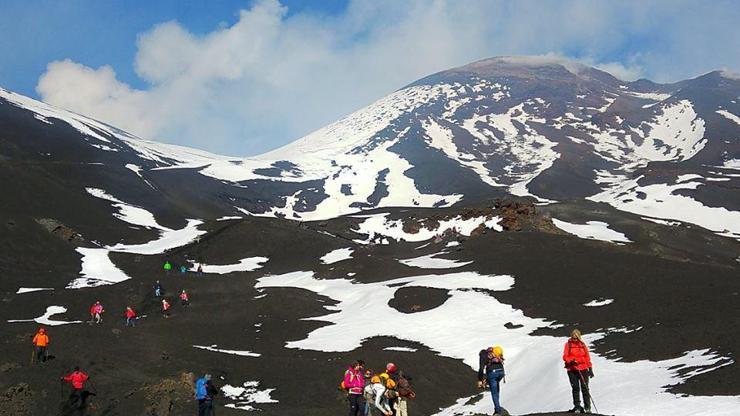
x=548 y=129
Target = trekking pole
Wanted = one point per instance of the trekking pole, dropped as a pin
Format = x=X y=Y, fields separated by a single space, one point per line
x=33 y=355
x=588 y=390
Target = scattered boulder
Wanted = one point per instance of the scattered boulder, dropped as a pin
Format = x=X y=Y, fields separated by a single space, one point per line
x=60 y=230
x=16 y=400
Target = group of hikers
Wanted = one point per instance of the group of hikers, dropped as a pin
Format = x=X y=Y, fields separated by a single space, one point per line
x=159 y=293
x=168 y=267
x=390 y=391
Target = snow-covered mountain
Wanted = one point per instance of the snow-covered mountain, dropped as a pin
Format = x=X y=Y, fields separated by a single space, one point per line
x=550 y=129
x=564 y=198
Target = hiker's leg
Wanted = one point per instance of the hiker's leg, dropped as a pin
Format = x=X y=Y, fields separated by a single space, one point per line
x=354 y=404
x=493 y=379
x=585 y=389
x=575 y=383
x=402 y=407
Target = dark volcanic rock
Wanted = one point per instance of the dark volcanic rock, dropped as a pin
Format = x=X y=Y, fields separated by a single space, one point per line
x=418 y=299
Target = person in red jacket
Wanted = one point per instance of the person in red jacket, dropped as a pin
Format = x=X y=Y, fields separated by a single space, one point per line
x=78 y=395
x=130 y=316
x=184 y=298
x=578 y=365
x=165 y=308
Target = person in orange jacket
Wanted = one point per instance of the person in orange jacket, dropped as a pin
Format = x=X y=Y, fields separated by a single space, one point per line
x=578 y=365
x=40 y=342
x=78 y=395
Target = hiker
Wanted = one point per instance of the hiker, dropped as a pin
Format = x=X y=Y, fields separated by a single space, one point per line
x=491 y=371
x=158 y=289
x=578 y=365
x=388 y=377
x=405 y=393
x=96 y=313
x=375 y=393
x=130 y=316
x=200 y=269
x=184 y=298
x=77 y=396
x=165 y=308
x=205 y=392
x=354 y=384
x=368 y=400
x=40 y=342
x=183 y=269
x=167 y=267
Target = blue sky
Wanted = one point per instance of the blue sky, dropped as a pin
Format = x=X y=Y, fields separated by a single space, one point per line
x=242 y=77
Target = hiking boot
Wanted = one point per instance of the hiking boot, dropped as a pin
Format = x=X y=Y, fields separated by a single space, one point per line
x=576 y=409
x=587 y=409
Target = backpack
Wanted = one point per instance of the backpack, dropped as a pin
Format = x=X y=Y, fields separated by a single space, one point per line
x=404 y=387
x=201 y=390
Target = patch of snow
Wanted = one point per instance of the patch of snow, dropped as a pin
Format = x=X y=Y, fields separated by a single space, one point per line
x=246 y=395
x=728 y=115
x=167 y=240
x=32 y=289
x=431 y=262
x=337 y=255
x=402 y=349
x=453 y=244
x=214 y=348
x=378 y=225
x=245 y=265
x=654 y=96
x=534 y=364
x=732 y=164
x=662 y=222
x=232 y=217
x=691 y=176
x=45 y=319
x=97 y=269
x=599 y=302
x=592 y=230
x=128 y=213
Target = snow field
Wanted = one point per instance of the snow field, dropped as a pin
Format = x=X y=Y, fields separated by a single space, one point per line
x=534 y=367
x=248 y=264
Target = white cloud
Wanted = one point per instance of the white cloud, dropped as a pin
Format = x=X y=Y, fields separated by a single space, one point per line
x=272 y=77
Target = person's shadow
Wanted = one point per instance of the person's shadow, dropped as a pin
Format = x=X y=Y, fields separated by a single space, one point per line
x=75 y=405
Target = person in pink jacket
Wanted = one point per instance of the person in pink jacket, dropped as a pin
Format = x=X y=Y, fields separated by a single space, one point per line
x=354 y=383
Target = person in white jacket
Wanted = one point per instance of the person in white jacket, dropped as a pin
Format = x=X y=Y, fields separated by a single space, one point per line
x=376 y=390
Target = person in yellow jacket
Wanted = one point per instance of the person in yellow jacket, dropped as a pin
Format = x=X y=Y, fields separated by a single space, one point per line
x=40 y=342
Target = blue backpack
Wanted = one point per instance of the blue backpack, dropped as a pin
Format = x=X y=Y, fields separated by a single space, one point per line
x=201 y=392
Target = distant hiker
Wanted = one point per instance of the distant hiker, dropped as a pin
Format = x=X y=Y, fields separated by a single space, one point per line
x=158 y=289
x=40 y=342
x=354 y=384
x=375 y=392
x=77 y=396
x=183 y=269
x=578 y=365
x=200 y=269
x=491 y=371
x=167 y=267
x=165 y=308
x=184 y=298
x=205 y=392
x=130 y=316
x=96 y=313
x=405 y=393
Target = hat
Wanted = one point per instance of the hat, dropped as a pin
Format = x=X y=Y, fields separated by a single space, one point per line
x=391 y=368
